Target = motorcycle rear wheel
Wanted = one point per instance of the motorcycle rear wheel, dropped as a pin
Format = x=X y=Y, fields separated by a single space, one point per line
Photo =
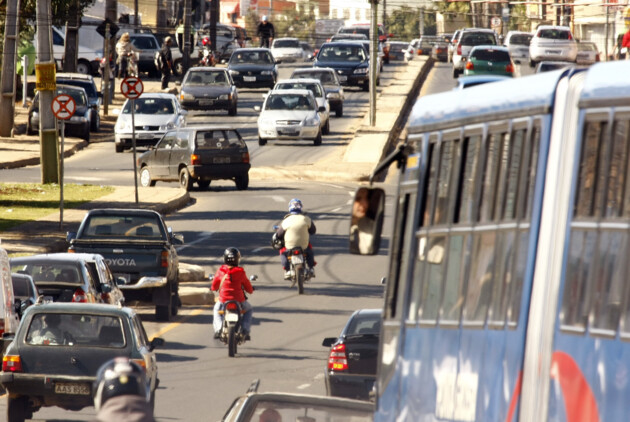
x=232 y=342
x=299 y=274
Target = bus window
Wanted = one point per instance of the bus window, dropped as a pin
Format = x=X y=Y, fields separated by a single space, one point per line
x=618 y=170
x=481 y=277
x=526 y=187
x=470 y=158
x=367 y=221
x=489 y=183
x=454 y=286
x=512 y=175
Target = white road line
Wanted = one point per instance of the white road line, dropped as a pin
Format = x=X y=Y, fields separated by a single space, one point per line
x=319 y=376
x=278 y=198
x=336 y=209
x=202 y=238
x=260 y=249
x=303 y=386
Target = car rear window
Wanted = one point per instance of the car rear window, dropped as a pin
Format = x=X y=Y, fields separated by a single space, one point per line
x=72 y=329
x=324 y=77
x=286 y=44
x=586 y=46
x=520 y=39
x=50 y=272
x=314 y=88
x=477 y=38
x=123 y=226
x=491 y=55
x=295 y=411
x=555 y=34
x=365 y=324
x=342 y=53
x=218 y=140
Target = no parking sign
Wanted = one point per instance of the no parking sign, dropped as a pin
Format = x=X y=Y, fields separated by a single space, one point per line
x=131 y=87
x=63 y=106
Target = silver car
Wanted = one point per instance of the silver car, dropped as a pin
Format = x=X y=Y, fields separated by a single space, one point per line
x=316 y=87
x=552 y=43
x=518 y=44
x=587 y=53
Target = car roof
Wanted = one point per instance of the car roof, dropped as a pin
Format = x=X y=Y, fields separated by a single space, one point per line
x=300 y=80
x=56 y=257
x=464 y=81
x=165 y=95
x=83 y=308
x=311 y=399
x=74 y=75
x=123 y=211
x=490 y=47
x=306 y=92
x=286 y=38
x=192 y=127
x=375 y=311
x=313 y=69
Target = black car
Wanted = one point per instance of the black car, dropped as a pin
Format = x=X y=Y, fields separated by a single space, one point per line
x=208 y=88
x=197 y=154
x=58 y=348
x=352 y=363
x=94 y=95
x=349 y=59
x=78 y=125
x=253 y=68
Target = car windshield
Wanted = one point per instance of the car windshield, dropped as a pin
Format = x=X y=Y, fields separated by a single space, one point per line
x=253 y=57
x=89 y=87
x=289 y=102
x=151 y=106
x=286 y=44
x=123 y=226
x=520 y=39
x=78 y=96
x=490 y=55
x=55 y=272
x=314 y=88
x=77 y=330
x=555 y=34
x=342 y=53
x=324 y=77
x=219 y=139
x=207 y=78
x=290 y=411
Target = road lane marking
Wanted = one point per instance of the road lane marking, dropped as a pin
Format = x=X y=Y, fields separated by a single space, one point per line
x=278 y=198
x=303 y=386
x=201 y=239
x=262 y=248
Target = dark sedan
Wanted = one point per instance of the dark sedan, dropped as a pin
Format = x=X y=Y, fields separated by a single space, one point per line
x=206 y=88
x=349 y=59
x=253 y=68
x=352 y=363
x=197 y=154
x=78 y=125
x=58 y=349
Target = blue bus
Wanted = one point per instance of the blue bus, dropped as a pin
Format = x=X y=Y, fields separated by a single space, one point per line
x=506 y=296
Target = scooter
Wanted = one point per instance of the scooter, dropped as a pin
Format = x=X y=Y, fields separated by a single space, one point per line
x=298 y=269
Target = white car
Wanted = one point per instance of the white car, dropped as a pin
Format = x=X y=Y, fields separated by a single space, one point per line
x=518 y=44
x=316 y=87
x=287 y=50
x=587 y=53
x=552 y=42
x=289 y=114
x=154 y=114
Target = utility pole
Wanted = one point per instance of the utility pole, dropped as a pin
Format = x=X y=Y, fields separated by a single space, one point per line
x=214 y=18
x=186 y=36
x=45 y=70
x=373 y=60
x=7 y=98
x=111 y=13
x=71 y=51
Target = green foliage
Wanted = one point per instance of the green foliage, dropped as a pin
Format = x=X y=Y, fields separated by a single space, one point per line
x=456 y=9
x=518 y=18
x=404 y=23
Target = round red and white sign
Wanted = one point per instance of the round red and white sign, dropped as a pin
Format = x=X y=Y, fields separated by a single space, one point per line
x=63 y=106
x=131 y=87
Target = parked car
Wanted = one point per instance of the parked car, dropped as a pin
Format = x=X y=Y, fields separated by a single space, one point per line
x=469 y=38
x=197 y=154
x=316 y=87
x=209 y=88
x=290 y=114
x=71 y=277
x=78 y=125
x=549 y=65
x=93 y=94
x=464 y=82
x=25 y=290
x=287 y=50
x=154 y=114
x=587 y=53
x=518 y=44
x=9 y=312
x=352 y=363
x=58 y=349
x=439 y=51
x=552 y=42
x=398 y=51
x=330 y=82
x=276 y=407
x=349 y=59
x=493 y=60
x=148 y=46
x=253 y=68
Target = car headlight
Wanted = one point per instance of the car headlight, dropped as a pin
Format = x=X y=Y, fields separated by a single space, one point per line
x=267 y=72
x=186 y=96
x=361 y=71
x=311 y=121
x=78 y=119
x=333 y=96
x=234 y=72
x=123 y=126
x=168 y=126
x=225 y=97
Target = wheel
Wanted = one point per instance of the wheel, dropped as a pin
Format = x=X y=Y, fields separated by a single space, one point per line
x=366 y=86
x=120 y=147
x=378 y=81
x=326 y=128
x=532 y=63
x=318 y=140
x=232 y=342
x=29 y=128
x=339 y=111
x=203 y=184
x=232 y=110
x=86 y=134
x=96 y=122
x=163 y=312
x=262 y=141
x=242 y=181
x=145 y=177
x=84 y=67
x=299 y=274
x=16 y=409
x=175 y=304
x=178 y=68
x=184 y=179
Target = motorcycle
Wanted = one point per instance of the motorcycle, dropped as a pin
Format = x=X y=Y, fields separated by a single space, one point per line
x=206 y=56
x=298 y=269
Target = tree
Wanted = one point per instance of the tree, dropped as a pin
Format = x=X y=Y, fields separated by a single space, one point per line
x=404 y=23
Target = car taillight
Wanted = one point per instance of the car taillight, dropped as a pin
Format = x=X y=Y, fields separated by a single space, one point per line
x=509 y=68
x=1 y=327
x=11 y=363
x=164 y=263
x=71 y=249
x=469 y=66
x=597 y=57
x=105 y=297
x=79 y=296
x=338 y=361
x=296 y=252
x=245 y=157
x=459 y=49
x=195 y=159
x=570 y=37
x=231 y=307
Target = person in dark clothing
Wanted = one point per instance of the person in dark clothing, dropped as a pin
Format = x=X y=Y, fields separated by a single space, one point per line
x=266 y=32
x=167 y=62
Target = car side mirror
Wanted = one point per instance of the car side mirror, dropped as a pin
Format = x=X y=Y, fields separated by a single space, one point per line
x=366 y=221
x=70 y=236
x=156 y=342
x=329 y=341
x=178 y=239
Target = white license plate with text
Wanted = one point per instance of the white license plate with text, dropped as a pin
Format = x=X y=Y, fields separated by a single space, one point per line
x=249 y=78
x=74 y=388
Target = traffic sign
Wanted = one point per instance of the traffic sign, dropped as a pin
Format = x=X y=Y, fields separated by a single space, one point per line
x=131 y=87
x=113 y=28
x=63 y=106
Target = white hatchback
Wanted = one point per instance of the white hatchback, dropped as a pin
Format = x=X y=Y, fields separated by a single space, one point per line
x=316 y=87
x=552 y=42
x=287 y=50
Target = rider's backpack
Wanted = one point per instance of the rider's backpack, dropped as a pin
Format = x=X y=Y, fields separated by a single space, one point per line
x=159 y=60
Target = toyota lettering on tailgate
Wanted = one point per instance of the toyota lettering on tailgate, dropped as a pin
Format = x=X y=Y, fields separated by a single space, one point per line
x=116 y=262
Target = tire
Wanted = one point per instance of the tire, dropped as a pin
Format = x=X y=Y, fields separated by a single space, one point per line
x=16 y=409
x=262 y=141
x=84 y=67
x=339 y=111
x=366 y=86
x=145 y=177
x=326 y=128
x=232 y=346
x=184 y=179
x=203 y=184
x=178 y=69
x=378 y=81
x=29 y=129
x=232 y=110
x=175 y=303
x=120 y=147
x=242 y=181
x=318 y=141
x=299 y=274
x=86 y=134
x=532 y=64
x=96 y=123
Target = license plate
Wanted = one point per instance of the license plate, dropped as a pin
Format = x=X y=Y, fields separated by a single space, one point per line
x=74 y=388
x=249 y=78
x=206 y=102
x=231 y=317
x=297 y=259
x=288 y=133
x=343 y=78
x=553 y=51
x=145 y=136
x=221 y=160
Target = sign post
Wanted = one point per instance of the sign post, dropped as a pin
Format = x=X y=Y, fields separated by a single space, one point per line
x=132 y=88
x=63 y=107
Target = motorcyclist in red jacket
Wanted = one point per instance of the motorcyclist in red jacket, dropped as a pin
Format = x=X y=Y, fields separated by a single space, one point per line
x=232 y=283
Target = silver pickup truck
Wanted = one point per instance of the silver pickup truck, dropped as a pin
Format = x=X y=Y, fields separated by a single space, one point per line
x=139 y=248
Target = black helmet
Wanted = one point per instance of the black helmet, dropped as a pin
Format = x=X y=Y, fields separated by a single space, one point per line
x=231 y=257
x=119 y=377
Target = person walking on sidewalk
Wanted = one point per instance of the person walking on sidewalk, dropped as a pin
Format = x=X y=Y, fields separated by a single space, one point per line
x=167 y=62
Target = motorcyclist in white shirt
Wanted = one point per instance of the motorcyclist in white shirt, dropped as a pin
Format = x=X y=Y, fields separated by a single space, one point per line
x=295 y=230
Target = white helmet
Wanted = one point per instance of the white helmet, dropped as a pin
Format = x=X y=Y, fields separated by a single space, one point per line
x=264 y=18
